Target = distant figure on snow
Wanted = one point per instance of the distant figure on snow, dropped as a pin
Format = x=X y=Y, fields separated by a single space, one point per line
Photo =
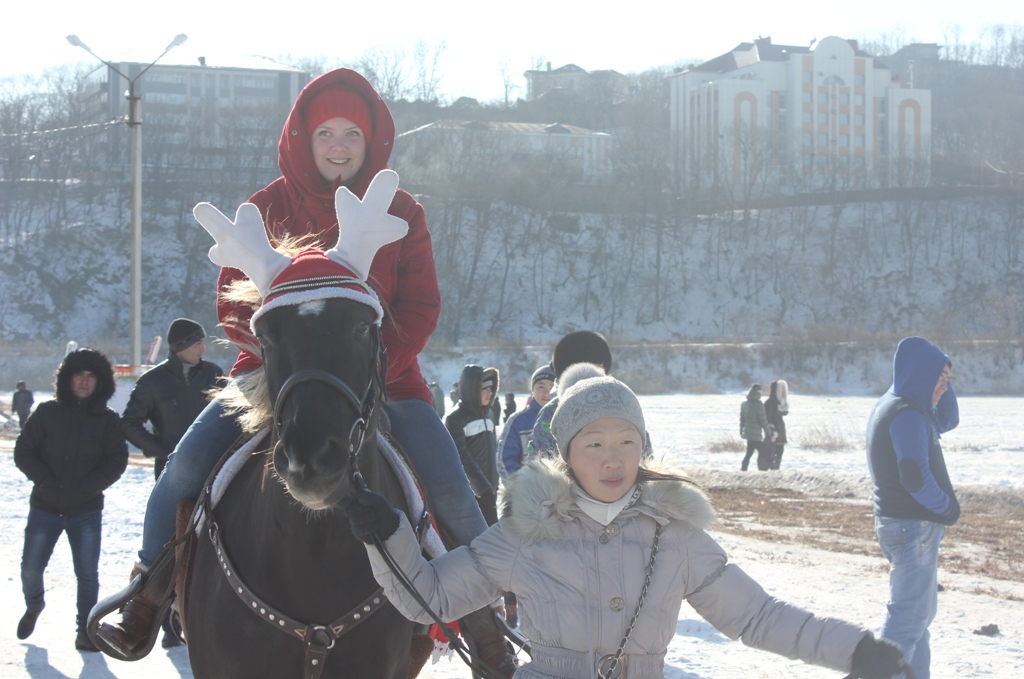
x=21 y=403
x=776 y=407
x=753 y=421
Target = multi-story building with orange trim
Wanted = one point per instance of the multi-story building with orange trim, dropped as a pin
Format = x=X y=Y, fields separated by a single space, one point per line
x=828 y=114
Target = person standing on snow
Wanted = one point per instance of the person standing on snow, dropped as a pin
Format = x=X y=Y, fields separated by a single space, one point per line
x=71 y=449
x=519 y=427
x=338 y=133
x=170 y=395
x=472 y=429
x=21 y=403
x=752 y=422
x=913 y=499
x=776 y=407
x=601 y=552
x=583 y=346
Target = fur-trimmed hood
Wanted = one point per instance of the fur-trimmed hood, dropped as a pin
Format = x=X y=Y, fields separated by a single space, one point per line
x=539 y=498
x=78 y=361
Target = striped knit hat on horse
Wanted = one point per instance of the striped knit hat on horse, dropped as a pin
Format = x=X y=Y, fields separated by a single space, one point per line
x=341 y=272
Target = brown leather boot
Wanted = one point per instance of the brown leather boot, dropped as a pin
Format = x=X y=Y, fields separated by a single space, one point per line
x=138 y=615
x=487 y=640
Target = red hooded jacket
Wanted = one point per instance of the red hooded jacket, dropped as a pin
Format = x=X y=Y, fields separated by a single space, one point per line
x=299 y=203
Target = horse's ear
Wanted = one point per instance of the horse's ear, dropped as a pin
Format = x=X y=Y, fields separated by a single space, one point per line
x=242 y=243
x=364 y=226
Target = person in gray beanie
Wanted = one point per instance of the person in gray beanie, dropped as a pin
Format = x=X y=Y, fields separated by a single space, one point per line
x=592 y=542
x=590 y=399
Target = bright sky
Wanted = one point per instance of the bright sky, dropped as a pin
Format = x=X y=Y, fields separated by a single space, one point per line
x=480 y=35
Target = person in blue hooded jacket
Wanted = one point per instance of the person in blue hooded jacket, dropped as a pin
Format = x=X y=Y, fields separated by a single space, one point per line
x=913 y=499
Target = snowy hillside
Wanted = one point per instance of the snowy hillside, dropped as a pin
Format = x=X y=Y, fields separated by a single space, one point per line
x=949 y=268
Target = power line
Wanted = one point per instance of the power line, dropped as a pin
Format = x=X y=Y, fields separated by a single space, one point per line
x=92 y=126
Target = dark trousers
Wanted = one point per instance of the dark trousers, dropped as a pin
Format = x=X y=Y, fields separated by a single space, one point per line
x=777 y=456
x=488 y=507
x=41 y=535
x=751 y=447
x=158 y=466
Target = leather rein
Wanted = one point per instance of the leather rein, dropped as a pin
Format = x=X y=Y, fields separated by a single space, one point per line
x=318 y=639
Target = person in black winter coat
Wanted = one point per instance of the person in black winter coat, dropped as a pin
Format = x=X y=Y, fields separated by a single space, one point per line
x=776 y=407
x=21 y=403
x=472 y=427
x=71 y=449
x=171 y=395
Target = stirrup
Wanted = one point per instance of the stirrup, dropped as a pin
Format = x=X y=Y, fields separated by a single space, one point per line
x=104 y=639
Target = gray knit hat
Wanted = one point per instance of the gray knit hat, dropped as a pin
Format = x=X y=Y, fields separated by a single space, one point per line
x=591 y=399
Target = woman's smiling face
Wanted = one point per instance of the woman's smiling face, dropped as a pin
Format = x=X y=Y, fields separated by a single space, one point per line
x=339 y=149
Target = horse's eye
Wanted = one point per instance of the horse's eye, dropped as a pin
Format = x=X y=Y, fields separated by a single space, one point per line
x=362 y=329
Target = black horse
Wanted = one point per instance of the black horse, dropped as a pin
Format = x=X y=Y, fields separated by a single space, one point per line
x=284 y=541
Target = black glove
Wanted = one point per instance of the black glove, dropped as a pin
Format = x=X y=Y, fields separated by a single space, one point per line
x=876 y=659
x=370 y=514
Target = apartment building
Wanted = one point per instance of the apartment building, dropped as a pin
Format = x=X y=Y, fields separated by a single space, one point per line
x=216 y=106
x=823 y=115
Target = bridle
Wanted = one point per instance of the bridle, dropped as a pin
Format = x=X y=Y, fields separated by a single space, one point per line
x=373 y=396
x=318 y=639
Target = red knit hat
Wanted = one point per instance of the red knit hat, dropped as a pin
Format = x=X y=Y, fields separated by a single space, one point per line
x=339 y=102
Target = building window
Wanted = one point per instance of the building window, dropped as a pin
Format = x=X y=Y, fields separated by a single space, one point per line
x=844 y=119
x=807 y=97
x=822 y=140
x=858 y=119
x=858 y=140
x=782 y=100
x=782 y=121
x=808 y=117
x=823 y=119
x=858 y=79
x=225 y=86
x=808 y=139
x=807 y=76
x=822 y=97
x=844 y=140
x=858 y=100
x=844 y=99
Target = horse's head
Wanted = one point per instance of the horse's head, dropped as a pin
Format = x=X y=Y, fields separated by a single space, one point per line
x=323 y=370
x=318 y=328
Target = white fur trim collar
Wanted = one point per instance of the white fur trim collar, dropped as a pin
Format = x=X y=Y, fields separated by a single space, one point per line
x=540 y=498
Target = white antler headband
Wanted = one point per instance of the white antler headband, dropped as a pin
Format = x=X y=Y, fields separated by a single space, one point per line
x=363 y=228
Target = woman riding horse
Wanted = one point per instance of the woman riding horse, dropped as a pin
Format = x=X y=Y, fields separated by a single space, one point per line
x=339 y=133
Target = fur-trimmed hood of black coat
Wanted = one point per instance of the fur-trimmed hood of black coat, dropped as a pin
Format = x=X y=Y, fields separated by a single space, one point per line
x=78 y=361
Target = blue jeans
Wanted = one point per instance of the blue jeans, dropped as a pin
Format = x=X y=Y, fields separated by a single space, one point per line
x=210 y=435
x=41 y=535
x=414 y=423
x=912 y=548
x=432 y=453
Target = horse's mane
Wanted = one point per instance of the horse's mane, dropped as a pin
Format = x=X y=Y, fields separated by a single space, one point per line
x=246 y=396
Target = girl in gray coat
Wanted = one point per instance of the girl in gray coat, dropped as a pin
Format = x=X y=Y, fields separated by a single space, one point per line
x=601 y=552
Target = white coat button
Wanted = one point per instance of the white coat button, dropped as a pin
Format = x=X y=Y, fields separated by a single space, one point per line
x=617 y=604
x=603 y=538
x=612 y=529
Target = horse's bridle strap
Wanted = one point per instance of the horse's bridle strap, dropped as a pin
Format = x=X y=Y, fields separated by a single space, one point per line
x=319 y=639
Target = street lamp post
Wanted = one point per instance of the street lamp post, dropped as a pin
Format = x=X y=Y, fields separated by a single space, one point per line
x=135 y=248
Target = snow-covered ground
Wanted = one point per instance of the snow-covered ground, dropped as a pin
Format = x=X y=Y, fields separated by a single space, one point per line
x=986 y=450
